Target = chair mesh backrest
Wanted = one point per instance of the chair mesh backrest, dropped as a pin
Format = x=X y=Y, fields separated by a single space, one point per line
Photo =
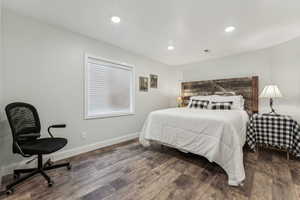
x=24 y=121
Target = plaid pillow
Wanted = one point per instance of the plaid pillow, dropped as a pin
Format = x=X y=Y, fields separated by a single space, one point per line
x=202 y=104
x=226 y=105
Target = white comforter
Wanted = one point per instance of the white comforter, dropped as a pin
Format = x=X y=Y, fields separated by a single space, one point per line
x=219 y=135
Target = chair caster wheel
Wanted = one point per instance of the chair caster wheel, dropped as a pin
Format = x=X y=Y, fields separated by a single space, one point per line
x=16 y=176
x=50 y=184
x=10 y=191
x=69 y=167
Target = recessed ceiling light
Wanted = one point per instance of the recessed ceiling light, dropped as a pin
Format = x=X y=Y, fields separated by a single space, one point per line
x=206 y=50
x=115 y=19
x=170 y=47
x=229 y=29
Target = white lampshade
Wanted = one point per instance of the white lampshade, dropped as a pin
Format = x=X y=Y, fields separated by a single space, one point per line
x=270 y=91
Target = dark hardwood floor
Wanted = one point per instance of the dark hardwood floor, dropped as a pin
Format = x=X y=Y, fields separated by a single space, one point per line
x=129 y=171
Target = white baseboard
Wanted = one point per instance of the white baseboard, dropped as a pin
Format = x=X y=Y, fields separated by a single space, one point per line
x=68 y=153
x=79 y=150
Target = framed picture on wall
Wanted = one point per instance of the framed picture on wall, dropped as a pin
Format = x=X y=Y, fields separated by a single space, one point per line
x=153 y=81
x=144 y=84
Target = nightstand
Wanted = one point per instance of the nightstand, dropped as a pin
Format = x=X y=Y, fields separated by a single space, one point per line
x=274 y=131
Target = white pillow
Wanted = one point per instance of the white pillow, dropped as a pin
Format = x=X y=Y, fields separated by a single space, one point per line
x=206 y=97
x=238 y=100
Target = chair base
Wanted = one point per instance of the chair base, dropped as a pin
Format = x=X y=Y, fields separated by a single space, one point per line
x=41 y=169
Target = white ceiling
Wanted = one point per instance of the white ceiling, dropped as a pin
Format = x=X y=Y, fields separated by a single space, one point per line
x=148 y=26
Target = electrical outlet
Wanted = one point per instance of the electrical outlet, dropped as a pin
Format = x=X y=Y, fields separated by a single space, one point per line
x=83 y=135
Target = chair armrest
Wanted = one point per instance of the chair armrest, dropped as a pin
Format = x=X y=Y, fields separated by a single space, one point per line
x=20 y=150
x=58 y=126
x=55 y=126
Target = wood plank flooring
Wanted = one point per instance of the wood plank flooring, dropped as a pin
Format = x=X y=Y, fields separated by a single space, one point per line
x=132 y=172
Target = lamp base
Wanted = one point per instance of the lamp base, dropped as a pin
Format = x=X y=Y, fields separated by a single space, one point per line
x=271 y=113
x=272 y=109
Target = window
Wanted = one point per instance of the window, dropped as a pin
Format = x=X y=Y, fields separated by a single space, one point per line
x=109 y=88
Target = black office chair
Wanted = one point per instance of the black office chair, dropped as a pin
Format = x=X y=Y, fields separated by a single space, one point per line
x=25 y=126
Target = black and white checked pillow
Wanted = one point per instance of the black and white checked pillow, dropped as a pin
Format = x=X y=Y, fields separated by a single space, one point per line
x=225 y=105
x=202 y=104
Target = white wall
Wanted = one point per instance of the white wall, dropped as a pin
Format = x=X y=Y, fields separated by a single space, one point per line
x=1 y=90
x=1 y=62
x=1 y=66
x=278 y=65
x=44 y=66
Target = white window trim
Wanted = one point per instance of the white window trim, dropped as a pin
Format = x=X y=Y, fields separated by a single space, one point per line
x=109 y=115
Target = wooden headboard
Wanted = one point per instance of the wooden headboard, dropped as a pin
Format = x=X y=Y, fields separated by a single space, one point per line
x=247 y=87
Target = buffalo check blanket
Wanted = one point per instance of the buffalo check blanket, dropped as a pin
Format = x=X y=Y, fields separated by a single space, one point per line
x=275 y=130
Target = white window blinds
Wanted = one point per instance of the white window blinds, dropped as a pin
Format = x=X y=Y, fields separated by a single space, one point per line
x=109 y=88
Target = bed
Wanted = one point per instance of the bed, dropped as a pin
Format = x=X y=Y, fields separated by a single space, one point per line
x=218 y=135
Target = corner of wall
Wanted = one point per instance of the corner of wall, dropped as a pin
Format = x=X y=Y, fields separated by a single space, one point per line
x=174 y=86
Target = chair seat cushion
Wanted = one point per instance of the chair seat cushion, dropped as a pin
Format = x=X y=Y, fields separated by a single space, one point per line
x=43 y=146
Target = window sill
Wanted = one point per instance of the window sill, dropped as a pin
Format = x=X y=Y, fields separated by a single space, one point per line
x=110 y=115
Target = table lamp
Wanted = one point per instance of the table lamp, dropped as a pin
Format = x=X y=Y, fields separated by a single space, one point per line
x=179 y=101
x=271 y=91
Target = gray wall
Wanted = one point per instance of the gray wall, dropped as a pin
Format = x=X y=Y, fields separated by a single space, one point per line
x=44 y=66
x=1 y=63
x=1 y=91
x=1 y=66
x=278 y=65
